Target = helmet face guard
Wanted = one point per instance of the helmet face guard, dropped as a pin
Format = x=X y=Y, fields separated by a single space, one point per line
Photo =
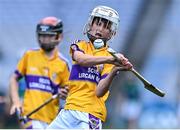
x=49 y=26
x=103 y=12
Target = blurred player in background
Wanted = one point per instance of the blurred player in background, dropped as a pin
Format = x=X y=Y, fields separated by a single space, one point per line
x=92 y=73
x=46 y=73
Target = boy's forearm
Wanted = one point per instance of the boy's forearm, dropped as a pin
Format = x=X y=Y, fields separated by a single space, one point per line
x=14 y=96
x=104 y=84
x=88 y=60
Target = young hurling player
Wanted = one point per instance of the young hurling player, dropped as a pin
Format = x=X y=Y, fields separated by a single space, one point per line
x=46 y=73
x=92 y=73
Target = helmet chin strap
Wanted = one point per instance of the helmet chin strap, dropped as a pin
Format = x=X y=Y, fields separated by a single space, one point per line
x=93 y=38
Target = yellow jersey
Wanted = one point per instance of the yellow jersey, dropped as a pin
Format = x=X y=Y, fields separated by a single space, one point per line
x=43 y=77
x=84 y=80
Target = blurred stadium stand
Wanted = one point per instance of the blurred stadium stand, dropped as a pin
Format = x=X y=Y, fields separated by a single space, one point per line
x=148 y=36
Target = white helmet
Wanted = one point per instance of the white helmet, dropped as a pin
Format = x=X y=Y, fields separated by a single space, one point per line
x=106 y=13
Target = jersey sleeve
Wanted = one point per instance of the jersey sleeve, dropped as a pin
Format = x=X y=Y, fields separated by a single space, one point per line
x=65 y=75
x=21 y=66
x=66 y=70
x=76 y=46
